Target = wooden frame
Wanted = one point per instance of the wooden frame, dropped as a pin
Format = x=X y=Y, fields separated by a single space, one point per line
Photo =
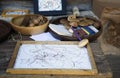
x=48 y=11
x=12 y=15
x=11 y=70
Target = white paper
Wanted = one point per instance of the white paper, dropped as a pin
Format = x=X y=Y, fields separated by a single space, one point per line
x=52 y=57
x=60 y=29
x=43 y=37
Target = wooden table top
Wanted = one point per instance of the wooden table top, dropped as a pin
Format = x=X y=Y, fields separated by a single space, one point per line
x=7 y=47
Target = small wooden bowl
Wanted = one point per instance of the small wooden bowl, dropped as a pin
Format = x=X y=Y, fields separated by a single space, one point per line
x=16 y=22
x=68 y=38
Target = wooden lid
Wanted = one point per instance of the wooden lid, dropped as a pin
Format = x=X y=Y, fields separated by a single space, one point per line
x=5 y=29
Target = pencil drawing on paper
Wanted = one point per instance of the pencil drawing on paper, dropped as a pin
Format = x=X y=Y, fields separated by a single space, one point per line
x=49 y=5
x=52 y=57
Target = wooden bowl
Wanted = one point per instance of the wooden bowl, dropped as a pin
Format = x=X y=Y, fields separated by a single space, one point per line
x=70 y=38
x=16 y=22
x=5 y=30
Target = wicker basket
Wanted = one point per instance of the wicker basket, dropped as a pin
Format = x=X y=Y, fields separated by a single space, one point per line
x=16 y=21
x=4 y=12
x=69 y=38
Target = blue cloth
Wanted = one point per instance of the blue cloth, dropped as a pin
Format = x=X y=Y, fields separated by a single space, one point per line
x=77 y=28
x=89 y=30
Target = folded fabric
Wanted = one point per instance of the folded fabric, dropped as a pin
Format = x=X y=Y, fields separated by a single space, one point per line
x=82 y=32
x=93 y=28
x=88 y=30
x=85 y=31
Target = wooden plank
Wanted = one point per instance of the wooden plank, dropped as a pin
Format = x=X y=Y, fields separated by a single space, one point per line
x=91 y=58
x=7 y=13
x=14 y=55
x=51 y=71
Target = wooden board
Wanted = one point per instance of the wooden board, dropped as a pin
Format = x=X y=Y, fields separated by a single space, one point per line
x=12 y=70
x=13 y=13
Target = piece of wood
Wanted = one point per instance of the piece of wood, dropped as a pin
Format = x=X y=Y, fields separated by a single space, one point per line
x=13 y=70
x=13 y=13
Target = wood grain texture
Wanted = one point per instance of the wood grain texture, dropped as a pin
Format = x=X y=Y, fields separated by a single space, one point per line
x=11 y=70
x=102 y=64
x=16 y=4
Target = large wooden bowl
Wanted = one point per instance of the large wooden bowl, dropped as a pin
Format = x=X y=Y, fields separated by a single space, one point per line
x=16 y=21
x=68 y=38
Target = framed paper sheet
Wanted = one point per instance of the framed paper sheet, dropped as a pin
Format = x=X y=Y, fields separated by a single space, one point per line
x=50 y=7
x=58 y=58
